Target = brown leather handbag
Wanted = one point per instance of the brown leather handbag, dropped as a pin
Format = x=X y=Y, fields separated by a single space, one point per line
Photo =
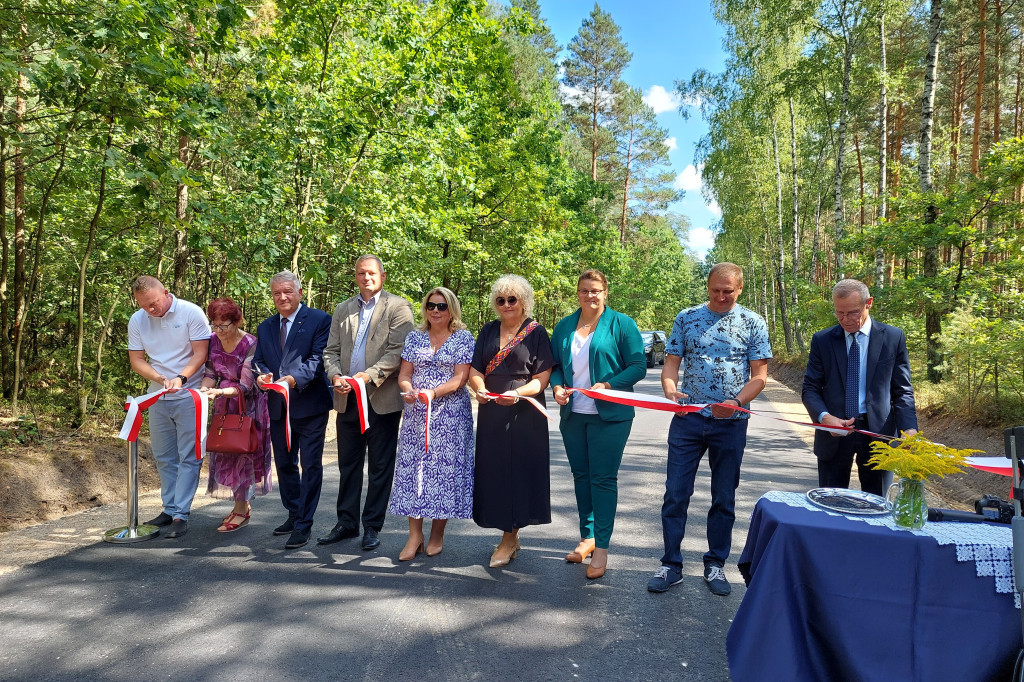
x=234 y=434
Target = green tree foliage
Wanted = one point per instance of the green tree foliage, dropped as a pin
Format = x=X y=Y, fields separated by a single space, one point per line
x=805 y=78
x=213 y=144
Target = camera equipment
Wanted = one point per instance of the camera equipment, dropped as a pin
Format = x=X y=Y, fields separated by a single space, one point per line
x=994 y=509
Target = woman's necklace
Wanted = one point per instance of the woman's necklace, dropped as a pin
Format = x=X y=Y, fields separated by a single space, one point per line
x=435 y=345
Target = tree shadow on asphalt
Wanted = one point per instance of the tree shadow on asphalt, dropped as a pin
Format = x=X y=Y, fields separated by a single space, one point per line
x=212 y=606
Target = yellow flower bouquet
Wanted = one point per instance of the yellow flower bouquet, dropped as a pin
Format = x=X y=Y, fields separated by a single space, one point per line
x=913 y=459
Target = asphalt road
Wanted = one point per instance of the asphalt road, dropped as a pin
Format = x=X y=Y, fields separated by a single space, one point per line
x=211 y=606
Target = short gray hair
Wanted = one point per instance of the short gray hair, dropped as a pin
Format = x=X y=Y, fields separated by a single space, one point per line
x=516 y=286
x=369 y=256
x=286 y=276
x=848 y=287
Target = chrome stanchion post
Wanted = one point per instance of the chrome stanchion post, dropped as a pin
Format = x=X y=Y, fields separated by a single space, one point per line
x=133 y=532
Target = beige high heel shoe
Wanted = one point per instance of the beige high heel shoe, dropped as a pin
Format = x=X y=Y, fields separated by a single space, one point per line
x=577 y=557
x=498 y=559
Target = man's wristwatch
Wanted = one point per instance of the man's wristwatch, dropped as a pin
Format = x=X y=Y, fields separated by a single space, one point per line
x=184 y=379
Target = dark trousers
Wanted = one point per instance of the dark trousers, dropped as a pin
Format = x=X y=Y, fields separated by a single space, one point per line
x=835 y=471
x=376 y=447
x=300 y=490
x=689 y=437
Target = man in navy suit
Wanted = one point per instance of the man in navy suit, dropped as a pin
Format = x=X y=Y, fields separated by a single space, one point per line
x=290 y=347
x=867 y=387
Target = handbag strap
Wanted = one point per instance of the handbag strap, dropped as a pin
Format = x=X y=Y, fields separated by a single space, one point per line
x=503 y=353
x=241 y=400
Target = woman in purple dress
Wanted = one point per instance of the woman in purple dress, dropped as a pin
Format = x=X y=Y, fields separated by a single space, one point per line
x=434 y=482
x=228 y=373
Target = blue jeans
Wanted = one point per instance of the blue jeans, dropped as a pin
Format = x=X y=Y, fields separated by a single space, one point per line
x=172 y=433
x=689 y=437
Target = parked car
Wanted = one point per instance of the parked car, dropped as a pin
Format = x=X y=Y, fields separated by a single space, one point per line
x=654 y=347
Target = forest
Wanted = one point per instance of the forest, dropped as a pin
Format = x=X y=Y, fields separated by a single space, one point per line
x=212 y=143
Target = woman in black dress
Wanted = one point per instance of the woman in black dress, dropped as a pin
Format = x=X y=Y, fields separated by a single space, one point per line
x=513 y=357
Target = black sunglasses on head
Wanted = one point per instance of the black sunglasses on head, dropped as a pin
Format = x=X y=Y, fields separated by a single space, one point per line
x=501 y=300
x=441 y=307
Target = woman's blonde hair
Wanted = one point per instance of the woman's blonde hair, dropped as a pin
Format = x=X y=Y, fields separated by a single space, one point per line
x=516 y=286
x=453 y=307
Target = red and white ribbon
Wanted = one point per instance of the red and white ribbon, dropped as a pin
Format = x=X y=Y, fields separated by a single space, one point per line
x=362 y=405
x=426 y=433
x=282 y=389
x=995 y=465
x=536 y=404
x=664 y=404
x=135 y=406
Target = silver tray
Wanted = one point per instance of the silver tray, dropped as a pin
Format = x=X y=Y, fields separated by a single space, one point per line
x=847 y=501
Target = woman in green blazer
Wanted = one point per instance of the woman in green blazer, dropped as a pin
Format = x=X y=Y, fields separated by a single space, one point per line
x=595 y=347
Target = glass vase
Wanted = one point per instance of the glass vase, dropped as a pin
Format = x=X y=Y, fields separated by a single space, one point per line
x=909 y=508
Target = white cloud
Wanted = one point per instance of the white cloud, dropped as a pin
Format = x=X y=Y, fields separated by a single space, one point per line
x=689 y=180
x=661 y=100
x=672 y=144
x=715 y=209
x=701 y=240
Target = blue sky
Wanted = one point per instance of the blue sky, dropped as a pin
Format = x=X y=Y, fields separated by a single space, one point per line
x=669 y=41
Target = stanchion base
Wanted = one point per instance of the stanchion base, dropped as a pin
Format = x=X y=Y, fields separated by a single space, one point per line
x=125 y=535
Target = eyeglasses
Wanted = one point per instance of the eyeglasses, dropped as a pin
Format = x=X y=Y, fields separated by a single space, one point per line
x=441 y=307
x=589 y=292
x=851 y=313
x=500 y=301
x=222 y=327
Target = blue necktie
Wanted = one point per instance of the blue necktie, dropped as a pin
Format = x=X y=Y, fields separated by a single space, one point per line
x=853 y=378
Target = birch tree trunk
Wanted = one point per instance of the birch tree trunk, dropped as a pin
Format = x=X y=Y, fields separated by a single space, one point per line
x=883 y=148
x=933 y=320
x=780 y=269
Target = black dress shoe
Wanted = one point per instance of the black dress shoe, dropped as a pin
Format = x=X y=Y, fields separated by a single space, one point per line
x=178 y=528
x=370 y=539
x=285 y=528
x=297 y=539
x=163 y=520
x=337 y=534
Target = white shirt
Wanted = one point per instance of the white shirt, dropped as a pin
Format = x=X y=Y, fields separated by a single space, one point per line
x=167 y=341
x=580 y=354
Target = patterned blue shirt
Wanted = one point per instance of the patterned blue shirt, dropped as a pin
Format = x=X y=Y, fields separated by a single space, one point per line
x=716 y=350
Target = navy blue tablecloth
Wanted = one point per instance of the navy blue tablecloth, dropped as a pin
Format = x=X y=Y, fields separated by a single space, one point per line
x=832 y=598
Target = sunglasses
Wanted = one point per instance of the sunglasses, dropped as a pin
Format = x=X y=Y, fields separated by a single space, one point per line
x=501 y=301
x=441 y=307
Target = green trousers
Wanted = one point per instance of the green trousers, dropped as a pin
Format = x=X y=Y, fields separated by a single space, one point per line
x=594 y=448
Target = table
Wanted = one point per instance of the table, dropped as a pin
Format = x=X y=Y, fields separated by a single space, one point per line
x=834 y=598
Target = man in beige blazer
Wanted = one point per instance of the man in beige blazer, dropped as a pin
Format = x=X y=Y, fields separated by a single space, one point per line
x=367 y=336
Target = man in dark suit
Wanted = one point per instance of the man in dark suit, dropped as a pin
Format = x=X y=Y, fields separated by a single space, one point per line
x=865 y=387
x=290 y=347
x=367 y=336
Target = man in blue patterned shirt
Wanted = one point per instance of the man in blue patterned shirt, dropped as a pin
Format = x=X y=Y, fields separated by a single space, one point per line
x=723 y=349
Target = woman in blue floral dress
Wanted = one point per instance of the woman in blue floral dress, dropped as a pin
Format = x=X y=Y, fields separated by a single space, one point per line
x=435 y=482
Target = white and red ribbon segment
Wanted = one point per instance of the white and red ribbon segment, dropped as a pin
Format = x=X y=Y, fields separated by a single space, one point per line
x=135 y=407
x=359 y=388
x=536 y=404
x=995 y=465
x=651 y=402
x=282 y=389
x=426 y=434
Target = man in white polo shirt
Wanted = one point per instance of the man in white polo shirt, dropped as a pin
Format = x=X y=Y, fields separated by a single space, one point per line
x=168 y=340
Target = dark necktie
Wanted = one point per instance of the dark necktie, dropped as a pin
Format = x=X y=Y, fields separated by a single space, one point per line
x=853 y=378
x=284 y=331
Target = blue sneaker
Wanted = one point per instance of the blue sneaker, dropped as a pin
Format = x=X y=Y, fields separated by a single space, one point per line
x=664 y=578
x=714 y=576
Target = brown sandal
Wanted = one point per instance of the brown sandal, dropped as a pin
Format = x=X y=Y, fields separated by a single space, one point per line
x=228 y=525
